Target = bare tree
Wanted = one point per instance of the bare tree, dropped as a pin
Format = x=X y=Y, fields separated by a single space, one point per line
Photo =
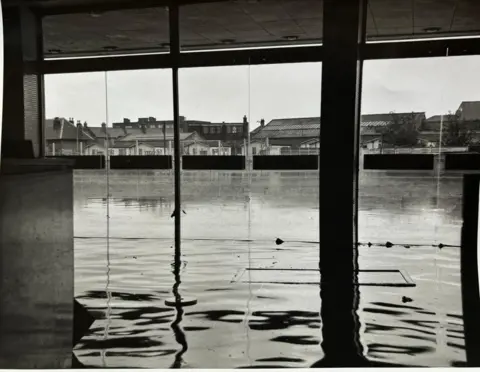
x=401 y=131
x=456 y=131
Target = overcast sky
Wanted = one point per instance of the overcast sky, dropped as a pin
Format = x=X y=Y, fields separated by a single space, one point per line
x=434 y=85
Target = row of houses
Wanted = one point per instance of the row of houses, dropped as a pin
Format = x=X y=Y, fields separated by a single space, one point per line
x=149 y=136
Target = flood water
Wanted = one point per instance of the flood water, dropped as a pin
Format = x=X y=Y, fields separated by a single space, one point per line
x=258 y=303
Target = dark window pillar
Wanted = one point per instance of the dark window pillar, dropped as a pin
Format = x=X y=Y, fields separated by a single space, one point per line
x=343 y=26
x=23 y=89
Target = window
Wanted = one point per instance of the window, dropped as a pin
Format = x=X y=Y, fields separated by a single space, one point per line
x=234 y=130
x=254 y=150
x=207 y=130
x=194 y=151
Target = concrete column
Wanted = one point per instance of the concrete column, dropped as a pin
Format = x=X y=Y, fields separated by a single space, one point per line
x=23 y=106
x=343 y=30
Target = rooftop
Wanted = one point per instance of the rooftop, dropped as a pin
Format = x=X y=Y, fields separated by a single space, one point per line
x=66 y=131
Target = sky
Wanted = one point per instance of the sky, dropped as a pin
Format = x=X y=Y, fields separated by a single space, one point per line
x=433 y=85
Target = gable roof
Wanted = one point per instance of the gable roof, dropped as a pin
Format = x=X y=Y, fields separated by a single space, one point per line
x=67 y=131
x=112 y=132
x=469 y=110
x=384 y=119
x=153 y=134
x=289 y=127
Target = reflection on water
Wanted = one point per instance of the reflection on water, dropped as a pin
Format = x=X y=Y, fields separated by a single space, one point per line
x=231 y=224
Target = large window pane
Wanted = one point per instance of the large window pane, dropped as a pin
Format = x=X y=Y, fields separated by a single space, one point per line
x=410 y=220
x=233 y=218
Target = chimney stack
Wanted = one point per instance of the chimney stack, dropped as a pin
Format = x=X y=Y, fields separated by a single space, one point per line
x=57 y=124
x=262 y=122
x=126 y=121
x=85 y=125
x=71 y=121
x=183 y=124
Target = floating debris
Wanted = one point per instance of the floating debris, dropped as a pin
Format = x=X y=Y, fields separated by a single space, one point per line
x=173 y=214
x=389 y=244
x=135 y=257
x=184 y=212
x=441 y=246
x=369 y=244
x=406 y=246
x=406 y=299
x=279 y=241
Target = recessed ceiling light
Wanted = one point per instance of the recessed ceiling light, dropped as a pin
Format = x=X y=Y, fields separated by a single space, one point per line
x=110 y=47
x=227 y=41
x=96 y=14
x=291 y=37
x=431 y=29
x=54 y=51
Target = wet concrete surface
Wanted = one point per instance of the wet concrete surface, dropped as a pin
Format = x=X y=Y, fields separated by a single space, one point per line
x=231 y=222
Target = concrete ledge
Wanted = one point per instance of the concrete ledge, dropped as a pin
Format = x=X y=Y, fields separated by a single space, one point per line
x=36 y=264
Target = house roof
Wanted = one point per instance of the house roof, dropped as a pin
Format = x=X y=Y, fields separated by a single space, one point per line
x=203 y=142
x=372 y=140
x=310 y=141
x=289 y=128
x=310 y=126
x=469 y=110
x=384 y=119
x=112 y=132
x=67 y=131
x=152 y=134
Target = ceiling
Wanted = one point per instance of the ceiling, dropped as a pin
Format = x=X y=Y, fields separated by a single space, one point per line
x=243 y=23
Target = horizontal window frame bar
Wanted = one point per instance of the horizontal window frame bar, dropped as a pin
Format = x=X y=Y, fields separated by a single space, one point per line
x=421 y=49
x=192 y=59
x=388 y=162
x=277 y=55
x=462 y=162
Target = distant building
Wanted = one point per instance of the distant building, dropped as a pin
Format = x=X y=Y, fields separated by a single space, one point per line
x=231 y=134
x=64 y=137
x=206 y=147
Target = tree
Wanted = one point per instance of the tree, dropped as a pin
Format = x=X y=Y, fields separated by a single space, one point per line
x=456 y=131
x=401 y=131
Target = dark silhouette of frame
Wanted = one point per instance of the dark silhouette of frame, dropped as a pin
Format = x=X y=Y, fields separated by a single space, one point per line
x=469 y=269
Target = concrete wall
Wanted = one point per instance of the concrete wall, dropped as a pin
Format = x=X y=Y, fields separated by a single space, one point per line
x=36 y=259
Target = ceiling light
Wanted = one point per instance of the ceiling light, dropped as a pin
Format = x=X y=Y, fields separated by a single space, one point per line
x=227 y=41
x=95 y=14
x=431 y=29
x=54 y=51
x=291 y=37
x=110 y=47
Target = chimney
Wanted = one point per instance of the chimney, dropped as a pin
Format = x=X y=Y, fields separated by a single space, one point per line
x=262 y=122
x=71 y=121
x=126 y=121
x=104 y=128
x=246 y=130
x=85 y=125
x=151 y=119
x=57 y=124
x=183 y=124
